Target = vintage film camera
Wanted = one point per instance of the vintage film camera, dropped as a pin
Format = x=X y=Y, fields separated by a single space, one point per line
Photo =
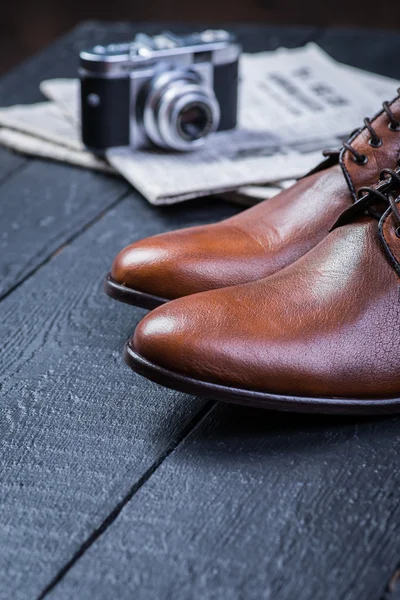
x=167 y=90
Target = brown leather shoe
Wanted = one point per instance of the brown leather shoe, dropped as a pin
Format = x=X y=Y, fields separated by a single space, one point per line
x=321 y=335
x=263 y=239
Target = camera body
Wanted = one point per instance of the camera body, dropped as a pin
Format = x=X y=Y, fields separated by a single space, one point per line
x=166 y=90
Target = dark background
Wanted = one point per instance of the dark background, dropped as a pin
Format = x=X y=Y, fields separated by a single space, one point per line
x=26 y=26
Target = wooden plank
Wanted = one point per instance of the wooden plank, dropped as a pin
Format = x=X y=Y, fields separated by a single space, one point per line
x=257 y=505
x=42 y=206
x=9 y=162
x=78 y=431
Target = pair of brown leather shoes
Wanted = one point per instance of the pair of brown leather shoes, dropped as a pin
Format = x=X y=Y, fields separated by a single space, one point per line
x=293 y=304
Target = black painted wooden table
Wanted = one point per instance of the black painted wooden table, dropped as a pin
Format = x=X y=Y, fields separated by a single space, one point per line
x=113 y=487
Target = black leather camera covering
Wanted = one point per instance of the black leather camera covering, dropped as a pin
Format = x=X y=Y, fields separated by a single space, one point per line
x=226 y=91
x=112 y=112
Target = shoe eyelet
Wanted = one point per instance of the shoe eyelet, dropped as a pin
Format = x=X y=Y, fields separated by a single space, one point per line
x=397 y=232
x=375 y=143
x=362 y=160
x=386 y=178
x=394 y=127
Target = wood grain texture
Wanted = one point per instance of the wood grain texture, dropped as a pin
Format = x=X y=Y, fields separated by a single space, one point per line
x=77 y=428
x=257 y=506
x=44 y=205
x=9 y=163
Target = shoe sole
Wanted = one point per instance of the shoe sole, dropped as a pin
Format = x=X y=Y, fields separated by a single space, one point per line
x=129 y=296
x=339 y=406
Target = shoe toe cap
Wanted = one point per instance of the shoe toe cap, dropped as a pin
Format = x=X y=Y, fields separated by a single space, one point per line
x=189 y=261
x=178 y=339
x=139 y=267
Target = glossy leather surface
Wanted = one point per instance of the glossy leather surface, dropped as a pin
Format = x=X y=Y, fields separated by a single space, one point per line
x=246 y=247
x=325 y=326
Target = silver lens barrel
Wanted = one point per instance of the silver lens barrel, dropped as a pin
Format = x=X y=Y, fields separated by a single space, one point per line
x=179 y=110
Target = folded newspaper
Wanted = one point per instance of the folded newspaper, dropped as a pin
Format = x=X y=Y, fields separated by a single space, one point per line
x=292 y=104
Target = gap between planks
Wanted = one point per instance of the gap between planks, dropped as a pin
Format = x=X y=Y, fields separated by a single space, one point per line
x=109 y=520
x=73 y=237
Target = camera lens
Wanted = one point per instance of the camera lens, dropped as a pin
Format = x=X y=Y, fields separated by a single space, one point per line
x=194 y=121
x=179 y=110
